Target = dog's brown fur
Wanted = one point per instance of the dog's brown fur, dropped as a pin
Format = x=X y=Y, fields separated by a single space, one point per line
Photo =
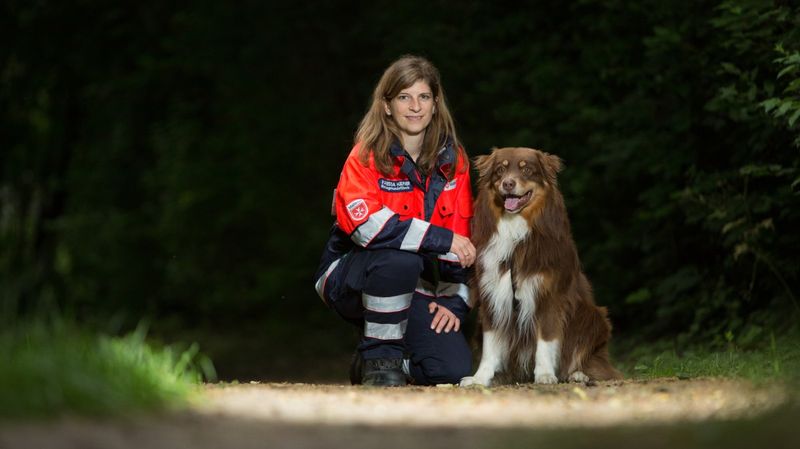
x=564 y=306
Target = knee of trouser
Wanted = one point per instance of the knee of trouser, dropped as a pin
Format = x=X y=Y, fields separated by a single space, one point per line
x=397 y=263
x=439 y=372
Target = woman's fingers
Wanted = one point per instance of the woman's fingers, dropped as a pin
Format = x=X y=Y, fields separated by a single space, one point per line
x=464 y=249
x=471 y=253
x=452 y=323
x=444 y=320
x=468 y=254
x=433 y=307
x=437 y=319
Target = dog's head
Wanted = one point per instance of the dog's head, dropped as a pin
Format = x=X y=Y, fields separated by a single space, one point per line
x=517 y=177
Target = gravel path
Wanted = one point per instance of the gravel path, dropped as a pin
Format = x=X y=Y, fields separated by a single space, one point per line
x=563 y=405
x=310 y=416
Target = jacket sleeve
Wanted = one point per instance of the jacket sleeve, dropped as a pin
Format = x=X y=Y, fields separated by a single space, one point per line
x=452 y=291
x=372 y=225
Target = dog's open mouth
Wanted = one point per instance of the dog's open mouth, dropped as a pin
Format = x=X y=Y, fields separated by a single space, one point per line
x=514 y=203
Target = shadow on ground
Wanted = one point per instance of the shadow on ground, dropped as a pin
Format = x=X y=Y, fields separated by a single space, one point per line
x=777 y=429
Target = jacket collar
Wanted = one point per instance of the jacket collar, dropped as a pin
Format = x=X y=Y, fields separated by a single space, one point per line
x=447 y=156
x=408 y=167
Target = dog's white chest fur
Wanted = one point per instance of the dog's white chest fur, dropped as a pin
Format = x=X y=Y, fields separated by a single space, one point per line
x=498 y=287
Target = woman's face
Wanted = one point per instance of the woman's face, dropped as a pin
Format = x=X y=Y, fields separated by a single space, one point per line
x=412 y=109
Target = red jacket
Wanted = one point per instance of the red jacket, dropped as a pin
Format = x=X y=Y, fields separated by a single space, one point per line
x=405 y=211
x=390 y=211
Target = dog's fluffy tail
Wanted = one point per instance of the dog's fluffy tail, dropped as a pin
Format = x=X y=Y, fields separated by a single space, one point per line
x=586 y=348
x=598 y=366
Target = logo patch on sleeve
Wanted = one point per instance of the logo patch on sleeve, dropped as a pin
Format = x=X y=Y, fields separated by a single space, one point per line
x=358 y=209
x=450 y=185
x=395 y=186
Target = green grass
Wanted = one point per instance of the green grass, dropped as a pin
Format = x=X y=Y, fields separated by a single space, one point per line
x=49 y=369
x=773 y=359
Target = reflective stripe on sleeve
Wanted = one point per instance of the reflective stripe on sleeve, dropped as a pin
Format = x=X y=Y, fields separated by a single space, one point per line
x=453 y=289
x=386 y=304
x=385 y=331
x=414 y=235
x=449 y=257
x=320 y=285
x=426 y=288
x=372 y=227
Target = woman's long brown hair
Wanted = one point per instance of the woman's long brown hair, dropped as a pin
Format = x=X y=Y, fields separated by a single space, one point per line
x=377 y=130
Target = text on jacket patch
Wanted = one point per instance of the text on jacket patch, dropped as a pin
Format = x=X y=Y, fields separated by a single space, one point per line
x=400 y=185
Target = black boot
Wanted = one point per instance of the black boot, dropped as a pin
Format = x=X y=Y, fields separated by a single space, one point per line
x=384 y=373
x=356 y=368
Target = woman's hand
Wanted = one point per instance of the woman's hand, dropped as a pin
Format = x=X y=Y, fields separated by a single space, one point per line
x=444 y=319
x=464 y=249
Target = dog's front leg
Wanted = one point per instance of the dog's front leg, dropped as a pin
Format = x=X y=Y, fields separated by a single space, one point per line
x=492 y=360
x=547 y=355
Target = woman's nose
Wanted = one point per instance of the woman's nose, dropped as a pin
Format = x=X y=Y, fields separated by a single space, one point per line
x=414 y=105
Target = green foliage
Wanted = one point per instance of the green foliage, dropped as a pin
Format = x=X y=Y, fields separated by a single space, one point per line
x=750 y=356
x=787 y=106
x=53 y=369
x=746 y=204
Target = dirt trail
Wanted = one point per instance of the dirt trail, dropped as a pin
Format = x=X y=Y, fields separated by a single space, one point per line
x=306 y=415
x=604 y=404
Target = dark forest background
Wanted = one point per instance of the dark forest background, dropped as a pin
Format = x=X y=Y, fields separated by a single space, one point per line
x=173 y=162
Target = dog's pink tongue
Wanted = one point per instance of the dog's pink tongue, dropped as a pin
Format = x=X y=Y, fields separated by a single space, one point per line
x=512 y=203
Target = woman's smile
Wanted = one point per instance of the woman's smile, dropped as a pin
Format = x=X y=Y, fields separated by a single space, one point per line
x=412 y=109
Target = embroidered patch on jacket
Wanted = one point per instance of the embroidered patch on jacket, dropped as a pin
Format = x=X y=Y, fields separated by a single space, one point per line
x=358 y=209
x=450 y=185
x=400 y=185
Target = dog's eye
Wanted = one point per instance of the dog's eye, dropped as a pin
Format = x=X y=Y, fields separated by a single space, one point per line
x=527 y=171
x=500 y=169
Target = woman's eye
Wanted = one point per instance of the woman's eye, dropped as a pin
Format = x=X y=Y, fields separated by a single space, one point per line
x=425 y=97
x=402 y=97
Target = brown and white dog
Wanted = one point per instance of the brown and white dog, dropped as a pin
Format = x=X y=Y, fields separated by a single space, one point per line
x=536 y=305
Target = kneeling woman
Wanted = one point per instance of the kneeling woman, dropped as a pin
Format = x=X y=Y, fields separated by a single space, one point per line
x=396 y=264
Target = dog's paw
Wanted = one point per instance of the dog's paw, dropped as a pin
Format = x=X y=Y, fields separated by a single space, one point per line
x=474 y=380
x=578 y=377
x=545 y=379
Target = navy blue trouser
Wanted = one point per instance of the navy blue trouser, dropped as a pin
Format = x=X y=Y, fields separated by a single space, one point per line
x=375 y=290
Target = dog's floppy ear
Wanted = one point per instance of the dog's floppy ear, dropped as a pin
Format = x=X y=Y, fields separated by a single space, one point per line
x=552 y=166
x=484 y=165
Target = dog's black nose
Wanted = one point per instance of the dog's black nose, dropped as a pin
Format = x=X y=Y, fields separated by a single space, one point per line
x=509 y=184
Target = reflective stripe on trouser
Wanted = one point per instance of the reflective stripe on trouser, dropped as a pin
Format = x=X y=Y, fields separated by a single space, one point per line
x=373 y=289
x=320 y=284
x=389 y=285
x=386 y=298
x=385 y=331
x=381 y=315
x=376 y=279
